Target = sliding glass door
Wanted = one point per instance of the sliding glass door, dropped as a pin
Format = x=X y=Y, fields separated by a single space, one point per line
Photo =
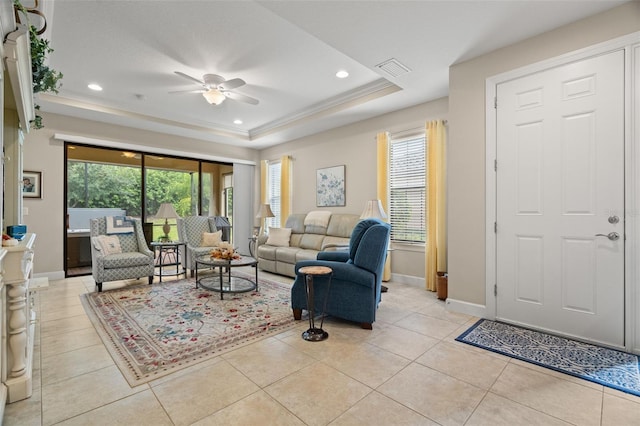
x=110 y=182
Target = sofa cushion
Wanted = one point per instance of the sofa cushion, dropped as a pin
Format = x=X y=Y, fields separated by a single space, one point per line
x=286 y=254
x=267 y=252
x=279 y=237
x=294 y=240
x=341 y=225
x=296 y=223
x=335 y=243
x=311 y=241
x=211 y=239
x=124 y=260
x=306 y=255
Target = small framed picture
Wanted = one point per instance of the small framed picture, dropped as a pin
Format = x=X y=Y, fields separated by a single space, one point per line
x=31 y=184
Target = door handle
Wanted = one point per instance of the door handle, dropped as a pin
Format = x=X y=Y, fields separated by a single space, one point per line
x=613 y=236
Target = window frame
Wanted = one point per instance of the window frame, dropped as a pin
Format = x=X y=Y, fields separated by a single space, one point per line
x=274 y=188
x=408 y=177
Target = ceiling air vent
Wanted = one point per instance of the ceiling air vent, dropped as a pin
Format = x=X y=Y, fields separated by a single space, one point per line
x=393 y=67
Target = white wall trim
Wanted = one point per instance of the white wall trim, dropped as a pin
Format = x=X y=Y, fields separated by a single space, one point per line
x=632 y=173
x=408 y=279
x=52 y=276
x=467 y=308
x=147 y=149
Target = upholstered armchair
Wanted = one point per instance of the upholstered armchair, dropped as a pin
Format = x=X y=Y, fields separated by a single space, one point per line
x=118 y=255
x=356 y=281
x=200 y=235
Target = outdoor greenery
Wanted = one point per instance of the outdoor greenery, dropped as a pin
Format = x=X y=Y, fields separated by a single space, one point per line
x=94 y=185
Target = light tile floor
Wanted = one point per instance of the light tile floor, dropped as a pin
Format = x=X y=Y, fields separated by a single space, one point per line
x=408 y=370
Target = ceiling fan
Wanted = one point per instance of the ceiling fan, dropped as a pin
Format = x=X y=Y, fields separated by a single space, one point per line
x=216 y=89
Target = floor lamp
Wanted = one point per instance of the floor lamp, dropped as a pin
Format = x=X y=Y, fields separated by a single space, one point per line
x=373 y=209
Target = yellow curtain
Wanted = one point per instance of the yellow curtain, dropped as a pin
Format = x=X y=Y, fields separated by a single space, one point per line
x=436 y=202
x=382 y=185
x=285 y=188
x=383 y=169
x=264 y=165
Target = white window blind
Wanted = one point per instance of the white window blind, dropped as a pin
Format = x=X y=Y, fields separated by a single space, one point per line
x=407 y=190
x=273 y=198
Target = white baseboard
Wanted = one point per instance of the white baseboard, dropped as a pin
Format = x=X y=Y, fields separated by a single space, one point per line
x=38 y=283
x=467 y=308
x=408 y=279
x=52 y=276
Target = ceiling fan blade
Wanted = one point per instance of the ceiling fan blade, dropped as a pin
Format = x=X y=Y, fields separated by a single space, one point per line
x=212 y=80
x=231 y=84
x=188 y=77
x=187 y=91
x=241 y=98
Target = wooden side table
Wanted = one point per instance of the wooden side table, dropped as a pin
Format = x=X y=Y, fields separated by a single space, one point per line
x=315 y=334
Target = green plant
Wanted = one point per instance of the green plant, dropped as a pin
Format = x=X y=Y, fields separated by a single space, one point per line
x=44 y=78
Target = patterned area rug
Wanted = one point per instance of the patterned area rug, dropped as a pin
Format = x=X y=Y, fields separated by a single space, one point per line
x=153 y=330
x=608 y=367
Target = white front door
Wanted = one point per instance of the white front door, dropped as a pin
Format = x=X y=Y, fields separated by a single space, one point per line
x=560 y=183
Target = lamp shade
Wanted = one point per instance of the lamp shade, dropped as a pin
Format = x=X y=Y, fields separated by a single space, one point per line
x=265 y=211
x=213 y=96
x=166 y=211
x=373 y=209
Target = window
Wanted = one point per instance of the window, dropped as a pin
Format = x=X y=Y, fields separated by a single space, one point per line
x=407 y=189
x=273 y=189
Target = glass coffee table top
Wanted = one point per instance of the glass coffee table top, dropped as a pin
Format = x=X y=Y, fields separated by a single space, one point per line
x=222 y=280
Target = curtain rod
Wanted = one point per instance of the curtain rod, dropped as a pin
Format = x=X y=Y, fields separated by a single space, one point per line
x=408 y=132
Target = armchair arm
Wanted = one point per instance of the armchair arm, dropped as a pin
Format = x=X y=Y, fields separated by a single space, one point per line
x=335 y=256
x=343 y=272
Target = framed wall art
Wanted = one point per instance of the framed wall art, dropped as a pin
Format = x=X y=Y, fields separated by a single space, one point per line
x=330 y=187
x=31 y=184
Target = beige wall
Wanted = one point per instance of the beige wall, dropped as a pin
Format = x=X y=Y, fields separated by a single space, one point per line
x=355 y=147
x=466 y=154
x=43 y=153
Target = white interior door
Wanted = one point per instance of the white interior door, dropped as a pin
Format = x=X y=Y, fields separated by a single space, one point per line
x=560 y=182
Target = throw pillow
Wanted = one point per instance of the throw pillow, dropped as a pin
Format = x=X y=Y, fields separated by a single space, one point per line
x=211 y=239
x=109 y=244
x=279 y=237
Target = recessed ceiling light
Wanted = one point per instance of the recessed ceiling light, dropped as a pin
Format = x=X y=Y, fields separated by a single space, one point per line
x=237 y=121
x=94 y=86
x=342 y=74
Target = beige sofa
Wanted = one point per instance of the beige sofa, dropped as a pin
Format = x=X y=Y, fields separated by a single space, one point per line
x=305 y=242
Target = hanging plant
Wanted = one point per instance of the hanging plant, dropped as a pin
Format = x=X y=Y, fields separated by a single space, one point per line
x=44 y=78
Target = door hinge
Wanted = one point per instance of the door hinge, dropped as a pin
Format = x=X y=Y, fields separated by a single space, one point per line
x=495 y=102
x=495 y=227
x=495 y=165
x=495 y=289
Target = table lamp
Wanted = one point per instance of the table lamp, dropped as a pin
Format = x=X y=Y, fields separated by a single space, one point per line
x=373 y=209
x=263 y=214
x=166 y=212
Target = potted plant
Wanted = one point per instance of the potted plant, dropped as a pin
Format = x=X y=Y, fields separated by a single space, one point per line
x=45 y=79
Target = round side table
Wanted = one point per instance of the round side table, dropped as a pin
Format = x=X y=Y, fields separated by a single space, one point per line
x=315 y=334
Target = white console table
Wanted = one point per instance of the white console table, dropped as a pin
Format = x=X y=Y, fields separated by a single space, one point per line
x=19 y=320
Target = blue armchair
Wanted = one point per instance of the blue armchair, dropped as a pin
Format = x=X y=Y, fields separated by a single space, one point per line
x=357 y=276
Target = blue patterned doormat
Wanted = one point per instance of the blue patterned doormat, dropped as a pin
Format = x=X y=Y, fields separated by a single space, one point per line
x=608 y=367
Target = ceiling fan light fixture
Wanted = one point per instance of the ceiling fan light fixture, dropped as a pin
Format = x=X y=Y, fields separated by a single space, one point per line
x=214 y=96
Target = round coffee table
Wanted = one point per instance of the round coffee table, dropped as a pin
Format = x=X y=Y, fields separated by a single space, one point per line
x=225 y=282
